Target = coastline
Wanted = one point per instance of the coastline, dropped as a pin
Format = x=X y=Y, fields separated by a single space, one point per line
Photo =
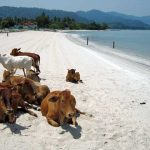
x=123 y=60
x=110 y=92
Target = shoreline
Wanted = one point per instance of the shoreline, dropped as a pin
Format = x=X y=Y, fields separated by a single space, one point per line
x=132 y=62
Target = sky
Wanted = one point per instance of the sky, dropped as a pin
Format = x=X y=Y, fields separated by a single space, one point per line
x=131 y=7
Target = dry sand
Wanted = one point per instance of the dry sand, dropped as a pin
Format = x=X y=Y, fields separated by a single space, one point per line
x=110 y=93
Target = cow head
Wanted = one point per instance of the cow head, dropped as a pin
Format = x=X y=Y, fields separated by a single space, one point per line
x=6 y=114
x=71 y=71
x=15 y=51
x=6 y=75
x=67 y=103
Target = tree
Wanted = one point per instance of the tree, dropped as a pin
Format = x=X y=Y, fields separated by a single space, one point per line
x=42 y=21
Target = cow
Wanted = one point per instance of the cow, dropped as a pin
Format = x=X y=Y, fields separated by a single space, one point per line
x=10 y=100
x=36 y=57
x=40 y=91
x=30 y=74
x=17 y=100
x=59 y=107
x=33 y=92
x=5 y=114
x=73 y=76
x=12 y=63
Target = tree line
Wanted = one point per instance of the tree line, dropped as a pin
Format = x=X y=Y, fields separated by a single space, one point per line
x=43 y=21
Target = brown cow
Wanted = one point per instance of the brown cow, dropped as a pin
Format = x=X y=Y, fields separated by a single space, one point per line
x=3 y=110
x=10 y=100
x=30 y=74
x=17 y=100
x=40 y=91
x=36 y=57
x=6 y=115
x=73 y=76
x=59 y=107
x=33 y=92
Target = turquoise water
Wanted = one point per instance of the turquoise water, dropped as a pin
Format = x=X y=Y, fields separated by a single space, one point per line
x=131 y=42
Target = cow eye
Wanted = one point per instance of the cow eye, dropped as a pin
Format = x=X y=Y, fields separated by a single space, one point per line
x=62 y=100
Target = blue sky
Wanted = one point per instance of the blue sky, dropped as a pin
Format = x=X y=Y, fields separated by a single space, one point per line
x=132 y=7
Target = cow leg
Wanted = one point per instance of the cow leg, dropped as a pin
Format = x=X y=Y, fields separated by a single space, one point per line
x=14 y=71
x=30 y=112
x=22 y=104
x=74 y=122
x=61 y=119
x=78 y=111
x=24 y=72
x=52 y=122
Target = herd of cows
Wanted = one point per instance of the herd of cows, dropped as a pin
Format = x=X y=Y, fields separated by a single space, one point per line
x=26 y=92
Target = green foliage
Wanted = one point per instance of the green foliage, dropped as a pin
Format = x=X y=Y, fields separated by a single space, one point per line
x=43 y=21
x=6 y=23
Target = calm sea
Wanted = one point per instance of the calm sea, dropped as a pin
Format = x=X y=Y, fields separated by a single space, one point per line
x=130 y=42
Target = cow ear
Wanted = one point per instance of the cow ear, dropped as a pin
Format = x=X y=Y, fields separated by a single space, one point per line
x=18 y=49
x=53 y=98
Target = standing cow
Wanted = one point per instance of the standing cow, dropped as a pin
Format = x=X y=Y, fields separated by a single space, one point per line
x=12 y=63
x=35 y=57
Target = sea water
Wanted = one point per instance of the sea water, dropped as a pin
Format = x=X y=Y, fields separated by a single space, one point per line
x=130 y=42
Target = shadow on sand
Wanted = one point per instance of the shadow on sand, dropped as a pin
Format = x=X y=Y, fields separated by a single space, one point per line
x=74 y=131
x=15 y=128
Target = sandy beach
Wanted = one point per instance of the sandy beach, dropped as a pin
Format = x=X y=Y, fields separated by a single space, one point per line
x=111 y=92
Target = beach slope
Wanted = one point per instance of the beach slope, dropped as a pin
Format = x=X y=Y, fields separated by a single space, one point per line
x=109 y=92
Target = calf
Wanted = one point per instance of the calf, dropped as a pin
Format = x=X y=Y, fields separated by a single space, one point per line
x=59 y=107
x=10 y=101
x=17 y=100
x=12 y=63
x=73 y=76
x=30 y=74
x=33 y=91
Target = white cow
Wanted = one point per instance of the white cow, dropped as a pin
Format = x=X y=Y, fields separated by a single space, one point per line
x=12 y=63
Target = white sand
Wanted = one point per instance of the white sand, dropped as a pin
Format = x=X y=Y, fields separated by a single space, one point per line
x=111 y=93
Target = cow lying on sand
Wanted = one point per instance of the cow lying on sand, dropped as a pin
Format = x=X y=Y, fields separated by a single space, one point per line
x=32 y=92
x=30 y=74
x=59 y=108
x=73 y=76
x=10 y=100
